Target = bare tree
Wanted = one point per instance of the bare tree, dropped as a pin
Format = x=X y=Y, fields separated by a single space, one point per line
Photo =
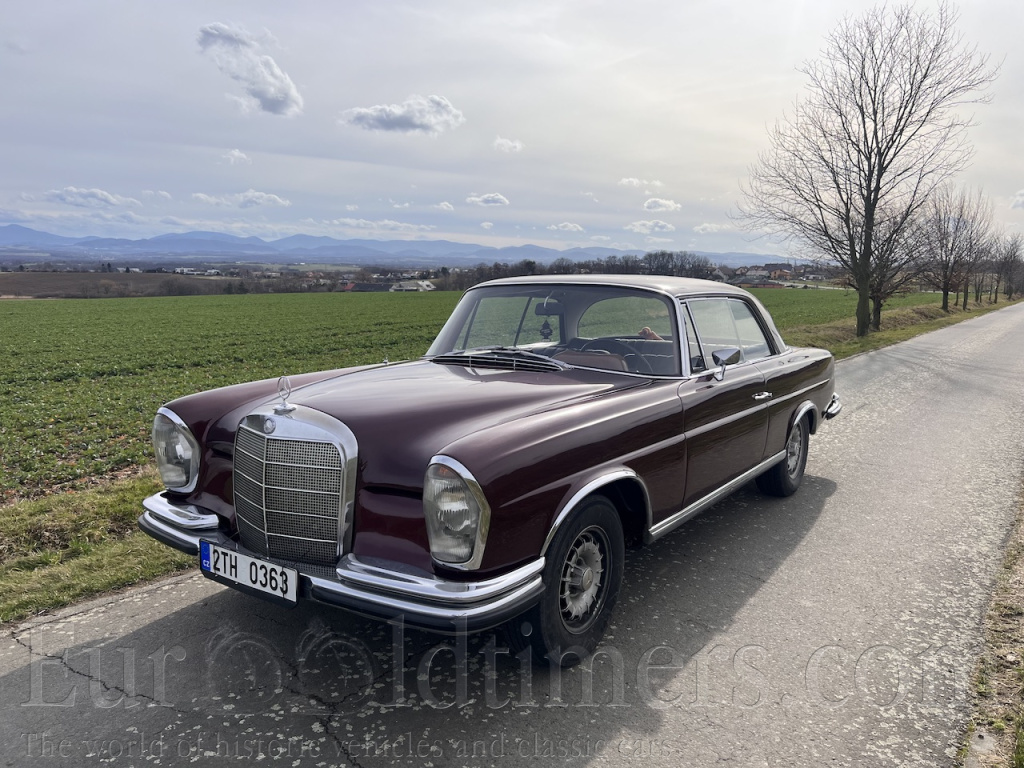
x=879 y=129
x=956 y=228
x=1007 y=262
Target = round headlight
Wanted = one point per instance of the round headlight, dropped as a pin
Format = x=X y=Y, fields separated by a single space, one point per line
x=177 y=452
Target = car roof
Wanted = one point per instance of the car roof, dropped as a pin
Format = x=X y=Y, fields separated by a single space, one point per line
x=677 y=286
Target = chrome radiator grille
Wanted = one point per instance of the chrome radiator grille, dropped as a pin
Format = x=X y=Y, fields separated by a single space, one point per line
x=288 y=496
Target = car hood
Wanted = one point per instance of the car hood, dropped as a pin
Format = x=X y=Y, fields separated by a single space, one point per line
x=404 y=414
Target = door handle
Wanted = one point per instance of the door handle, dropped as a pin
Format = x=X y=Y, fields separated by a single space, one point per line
x=763 y=396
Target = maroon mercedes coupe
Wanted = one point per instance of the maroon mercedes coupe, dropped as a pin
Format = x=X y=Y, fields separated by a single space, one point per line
x=496 y=480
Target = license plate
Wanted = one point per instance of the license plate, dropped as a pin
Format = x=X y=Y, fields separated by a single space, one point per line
x=251 y=572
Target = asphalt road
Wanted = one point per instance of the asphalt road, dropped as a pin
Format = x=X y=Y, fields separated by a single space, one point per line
x=837 y=627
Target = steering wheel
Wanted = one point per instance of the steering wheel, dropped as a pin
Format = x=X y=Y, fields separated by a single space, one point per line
x=638 y=363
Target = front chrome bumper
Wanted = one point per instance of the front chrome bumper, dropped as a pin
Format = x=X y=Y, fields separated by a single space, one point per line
x=380 y=589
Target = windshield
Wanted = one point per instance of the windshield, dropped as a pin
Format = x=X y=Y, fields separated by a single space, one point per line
x=595 y=326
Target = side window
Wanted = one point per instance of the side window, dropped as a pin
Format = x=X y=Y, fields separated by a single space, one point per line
x=723 y=323
x=752 y=338
x=697 y=363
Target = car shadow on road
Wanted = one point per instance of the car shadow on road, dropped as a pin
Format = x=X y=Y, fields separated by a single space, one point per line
x=231 y=676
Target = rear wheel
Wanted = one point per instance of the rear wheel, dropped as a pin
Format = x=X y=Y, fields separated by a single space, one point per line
x=582 y=574
x=784 y=478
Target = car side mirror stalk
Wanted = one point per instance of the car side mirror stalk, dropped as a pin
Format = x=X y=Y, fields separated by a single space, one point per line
x=723 y=358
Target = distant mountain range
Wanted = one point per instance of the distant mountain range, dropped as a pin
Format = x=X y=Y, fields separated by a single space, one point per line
x=219 y=247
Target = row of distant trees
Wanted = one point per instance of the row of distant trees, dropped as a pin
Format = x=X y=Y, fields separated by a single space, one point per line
x=677 y=263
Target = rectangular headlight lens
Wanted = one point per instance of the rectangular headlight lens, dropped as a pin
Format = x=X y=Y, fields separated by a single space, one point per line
x=177 y=453
x=454 y=515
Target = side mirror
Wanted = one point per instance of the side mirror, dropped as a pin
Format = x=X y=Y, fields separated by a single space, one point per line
x=724 y=357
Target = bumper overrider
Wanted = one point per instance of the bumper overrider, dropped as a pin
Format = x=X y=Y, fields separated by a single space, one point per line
x=380 y=590
x=834 y=407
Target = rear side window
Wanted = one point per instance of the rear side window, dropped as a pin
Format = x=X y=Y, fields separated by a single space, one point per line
x=724 y=323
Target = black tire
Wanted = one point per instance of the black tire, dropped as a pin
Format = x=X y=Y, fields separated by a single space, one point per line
x=784 y=478
x=582 y=575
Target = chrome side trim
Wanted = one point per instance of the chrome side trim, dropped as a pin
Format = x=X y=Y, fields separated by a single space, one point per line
x=484 y=524
x=391 y=582
x=803 y=391
x=589 y=488
x=680 y=517
x=185 y=516
x=697 y=432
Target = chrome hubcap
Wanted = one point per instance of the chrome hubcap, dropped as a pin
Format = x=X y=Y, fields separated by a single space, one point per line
x=795 y=449
x=582 y=581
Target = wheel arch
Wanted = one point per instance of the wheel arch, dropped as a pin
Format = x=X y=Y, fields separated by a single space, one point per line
x=627 y=493
x=804 y=409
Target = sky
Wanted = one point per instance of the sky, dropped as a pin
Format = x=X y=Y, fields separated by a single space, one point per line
x=562 y=124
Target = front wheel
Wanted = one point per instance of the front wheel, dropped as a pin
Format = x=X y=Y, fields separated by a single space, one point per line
x=784 y=478
x=582 y=573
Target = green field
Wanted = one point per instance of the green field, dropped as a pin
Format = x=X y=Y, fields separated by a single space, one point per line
x=82 y=379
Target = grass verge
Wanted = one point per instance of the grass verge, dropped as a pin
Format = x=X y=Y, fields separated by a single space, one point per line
x=897 y=325
x=996 y=733
x=66 y=546
x=59 y=549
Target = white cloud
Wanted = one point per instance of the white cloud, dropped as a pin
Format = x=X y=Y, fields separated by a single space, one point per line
x=591 y=196
x=237 y=55
x=237 y=157
x=157 y=193
x=1018 y=200
x=486 y=224
x=660 y=204
x=248 y=199
x=491 y=198
x=351 y=207
x=210 y=199
x=708 y=229
x=88 y=198
x=600 y=238
x=417 y=114
x=566 y=226
x=649 y=227
x=508 y=145
x=386 y=225
x=657 y=240
x=445 y=206
x=634 y=182
x=399 y=205
x=251 y=198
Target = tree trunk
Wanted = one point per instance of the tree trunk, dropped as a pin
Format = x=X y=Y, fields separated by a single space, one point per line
x=876 y=315
x=863 y=311
x=945 y=296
